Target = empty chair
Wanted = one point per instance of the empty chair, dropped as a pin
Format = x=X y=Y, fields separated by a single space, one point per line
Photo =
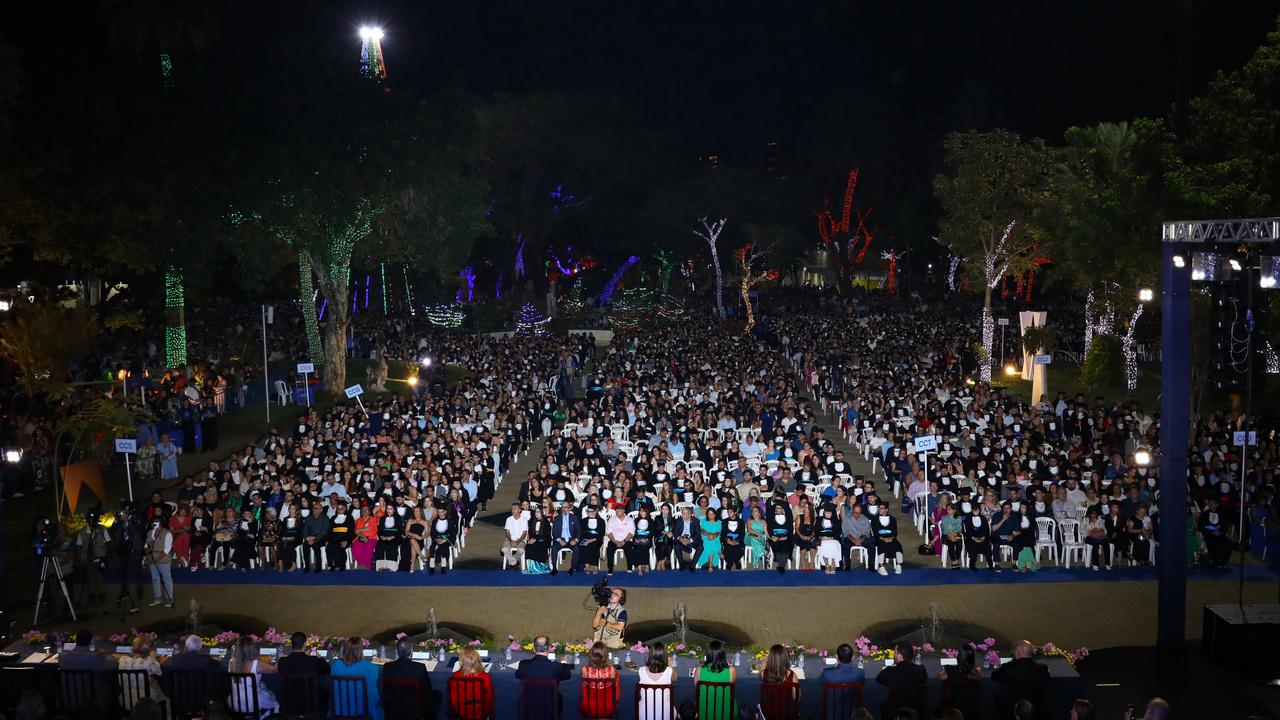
x=282 y=393
x=1046 y=538
x=1072 y=543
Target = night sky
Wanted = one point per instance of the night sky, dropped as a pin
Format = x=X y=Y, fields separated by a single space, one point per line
x=888 y=79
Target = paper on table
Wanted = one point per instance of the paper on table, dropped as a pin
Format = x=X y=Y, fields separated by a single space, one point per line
x=37 y=657
x=829 y=661
x=949 y=661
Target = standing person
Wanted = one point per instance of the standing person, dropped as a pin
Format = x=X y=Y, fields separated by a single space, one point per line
x=128 y=539
x=404 y=667
x=655 y=705
x=160 y=563
x=516 y=533
x=167 y=454
x=1022 y=678
x=91 y=554
x=610 y=621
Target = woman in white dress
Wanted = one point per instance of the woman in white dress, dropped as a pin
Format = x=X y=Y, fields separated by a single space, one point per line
x=246 y=661
x=142 y=658
x=654 y=703
x=829 y=540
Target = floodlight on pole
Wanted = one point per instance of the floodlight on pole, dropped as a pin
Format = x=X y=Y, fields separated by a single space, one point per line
x=1179 y=261
x=372 y=62
x=1146 y=295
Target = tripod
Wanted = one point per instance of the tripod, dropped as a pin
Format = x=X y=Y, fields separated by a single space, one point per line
x=62 y=582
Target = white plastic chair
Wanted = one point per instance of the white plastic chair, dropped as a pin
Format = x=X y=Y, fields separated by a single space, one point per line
x=1046 y=538
x=1072 y=543
x=861 y=552
x=282 y=393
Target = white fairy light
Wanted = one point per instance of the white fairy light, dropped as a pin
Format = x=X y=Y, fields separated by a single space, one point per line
x=1130 y=356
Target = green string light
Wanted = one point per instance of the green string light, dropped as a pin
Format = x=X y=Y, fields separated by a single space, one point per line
x=307 y=295
x=408 y=293
x=175 y=330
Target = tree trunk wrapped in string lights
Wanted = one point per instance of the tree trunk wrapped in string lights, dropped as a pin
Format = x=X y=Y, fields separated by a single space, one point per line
x=175 y=321
x=711 y=234
x=307 y=298
x=748 y=256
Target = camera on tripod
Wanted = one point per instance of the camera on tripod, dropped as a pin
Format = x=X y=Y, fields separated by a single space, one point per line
x=601 y=591
x=45 y=537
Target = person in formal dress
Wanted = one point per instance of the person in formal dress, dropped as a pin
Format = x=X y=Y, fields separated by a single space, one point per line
x=537 y=559
x=342 y=531
x=655 y=704
x=977 y=539
x=888 y=547
x=601 y=688
x=908 y=683
x=733 y=537
x=192 y=659
x=593 y=532
x=641 y=544
x=710 y=527
x=466 y=703
x=687 y=533
x=541 y=667
x=781 y=528
x=405 y=668
x=444 y=529
x=566 y=534
x=1022 y=678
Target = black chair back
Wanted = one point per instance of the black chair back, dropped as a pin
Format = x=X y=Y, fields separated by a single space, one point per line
x=599 y=699
x=401 y=699
x=467 y=699
x=715 y=700
x=538 y=700
x=189 y=692
x=841 y=700
x=131 y=686
x=654 y=702
x=348 y=698
x=780 y=700
x=242 y=696
x=299 y=696
x=77 y=692
x=14 y=681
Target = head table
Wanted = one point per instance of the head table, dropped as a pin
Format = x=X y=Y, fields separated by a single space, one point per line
x=1065 y=683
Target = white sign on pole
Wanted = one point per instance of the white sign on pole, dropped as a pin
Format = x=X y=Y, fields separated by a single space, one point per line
x=1242 y=438
x=127 y=446
x=926 y=443
x=354 y=391
x=306 y=368
x=1002 y=322
x=1044 y=360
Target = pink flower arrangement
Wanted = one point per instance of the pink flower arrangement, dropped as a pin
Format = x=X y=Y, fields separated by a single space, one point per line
x=475 y=643
x=927 y=647
x=639 y=647
x=950 y=653
x=401 y=635
x=993 y=658
x=512 y=643
x=275 y=637
x=34 y=637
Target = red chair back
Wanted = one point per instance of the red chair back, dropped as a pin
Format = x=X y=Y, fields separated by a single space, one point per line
x=841 y=700
x=599 y=698
x=715 y=701
x=654 y=702
x=468 y=699
x=780 y=700
x=348 y=698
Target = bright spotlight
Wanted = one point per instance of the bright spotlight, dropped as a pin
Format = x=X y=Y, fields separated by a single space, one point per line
x=1235 y=264
x=1010 y=370
x=1146 y=295
x=369 y=32
x=13 y=455
x=426 y=362
x=413 y=381
x=1142 y=457
x=5 y=305
x=1179 y=261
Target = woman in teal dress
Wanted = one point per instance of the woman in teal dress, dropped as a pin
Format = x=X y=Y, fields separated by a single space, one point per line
x=757 y=534
x=710 y=541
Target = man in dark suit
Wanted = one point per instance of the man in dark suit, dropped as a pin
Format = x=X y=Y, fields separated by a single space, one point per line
x=908 y=684
x=844 y=673
x=103 y=668
x=191 y=659
x=1022 y=678
x=566 y=533
x=688 y=539
x=298 y=662
x=541 y=667
x=404 y=667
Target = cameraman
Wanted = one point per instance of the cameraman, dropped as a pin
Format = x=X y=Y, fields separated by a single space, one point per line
x=128 y=537
x=91 y=559
x=610 y=620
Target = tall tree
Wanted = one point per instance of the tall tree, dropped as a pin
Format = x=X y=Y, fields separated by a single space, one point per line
x=991 y=195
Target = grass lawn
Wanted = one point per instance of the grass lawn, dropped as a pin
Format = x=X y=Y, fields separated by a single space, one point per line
x=1065 y=377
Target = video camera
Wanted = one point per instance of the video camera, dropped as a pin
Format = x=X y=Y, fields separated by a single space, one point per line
x=601 y=591
x=44 y=537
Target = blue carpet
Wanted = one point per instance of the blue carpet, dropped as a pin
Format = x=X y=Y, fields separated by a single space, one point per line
x=672 y=579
